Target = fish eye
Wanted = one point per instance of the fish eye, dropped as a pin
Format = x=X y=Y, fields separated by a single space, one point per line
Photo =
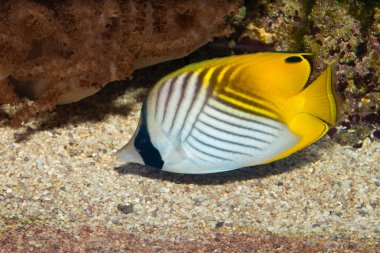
x=293 y=59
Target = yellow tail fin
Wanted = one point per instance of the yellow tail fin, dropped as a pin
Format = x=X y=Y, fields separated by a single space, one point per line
x=321 y=99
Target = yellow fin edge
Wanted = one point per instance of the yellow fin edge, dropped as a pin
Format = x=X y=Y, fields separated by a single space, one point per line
x=302 y=124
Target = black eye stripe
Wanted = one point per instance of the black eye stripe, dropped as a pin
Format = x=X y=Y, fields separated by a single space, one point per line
x=150 y=155
x=293 y=59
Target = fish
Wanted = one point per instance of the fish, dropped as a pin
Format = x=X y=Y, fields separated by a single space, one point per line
x=233 y=112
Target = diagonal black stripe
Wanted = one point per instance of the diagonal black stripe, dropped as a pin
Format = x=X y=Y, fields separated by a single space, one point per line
x=209 y=90
x=237 y=87
x=224 y=140
x=218 y=148
x=226 y=77
x=183 y=88
x=243 y=118
x=240 y=126
x=228 y=132
x=158 y=98
x=198 y=157
x=195 y=96
x=226 y=103
x=246 y=101
x=169 y=97
x=205 y=153
x=254 y=96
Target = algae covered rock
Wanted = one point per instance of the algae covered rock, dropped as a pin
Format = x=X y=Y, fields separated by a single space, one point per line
x=274 y=26
x=347 y=32
x=344 y=32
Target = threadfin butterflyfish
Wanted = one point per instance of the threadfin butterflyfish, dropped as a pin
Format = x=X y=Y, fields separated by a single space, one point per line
x=233 y=112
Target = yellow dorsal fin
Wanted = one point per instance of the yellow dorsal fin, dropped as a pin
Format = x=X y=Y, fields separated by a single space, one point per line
x=320 y=98
x=286 y=73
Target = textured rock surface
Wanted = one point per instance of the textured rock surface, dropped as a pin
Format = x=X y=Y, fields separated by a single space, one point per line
x=275 y=25
x=349 y=34
x=57 y=52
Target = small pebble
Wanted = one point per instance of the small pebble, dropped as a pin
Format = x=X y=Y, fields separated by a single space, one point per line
x=125 y=209
x=219 y=224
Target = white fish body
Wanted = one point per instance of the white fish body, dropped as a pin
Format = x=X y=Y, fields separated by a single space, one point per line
x=207 y=118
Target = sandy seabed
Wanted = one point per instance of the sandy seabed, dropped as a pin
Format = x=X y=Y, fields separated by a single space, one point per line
x=61 y=191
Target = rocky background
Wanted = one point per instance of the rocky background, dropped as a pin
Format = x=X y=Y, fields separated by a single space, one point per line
x=60 y=189
x=346 y=32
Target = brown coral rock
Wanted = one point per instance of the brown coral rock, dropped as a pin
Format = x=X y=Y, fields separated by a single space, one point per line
x=57 y=52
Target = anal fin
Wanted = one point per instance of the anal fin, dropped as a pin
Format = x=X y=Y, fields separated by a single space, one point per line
x=309 y=128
